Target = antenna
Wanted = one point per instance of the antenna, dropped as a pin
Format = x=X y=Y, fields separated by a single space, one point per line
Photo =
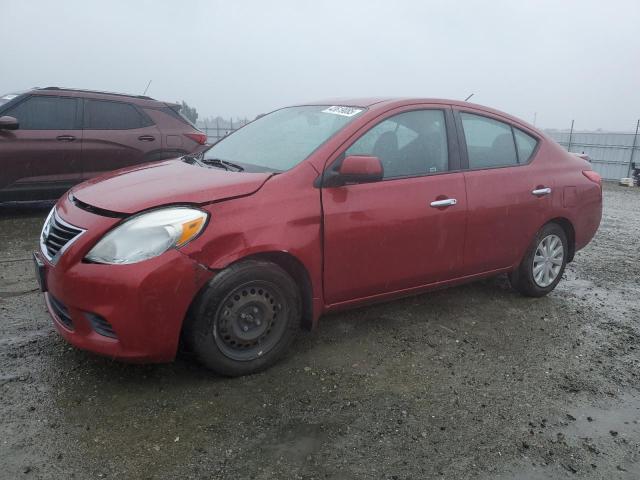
x=469 y=97
x=145 y=90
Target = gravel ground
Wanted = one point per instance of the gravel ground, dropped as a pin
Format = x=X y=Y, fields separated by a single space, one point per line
x=470 y=382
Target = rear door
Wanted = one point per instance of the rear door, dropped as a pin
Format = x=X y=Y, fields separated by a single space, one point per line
x=389 y=235
x=116 y=135
x=41 y=160
x=507 y=192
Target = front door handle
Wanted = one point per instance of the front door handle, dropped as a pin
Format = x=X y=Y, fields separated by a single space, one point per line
x=541 y=192
x=146 y=138
x=447 y=202
x=65 y=138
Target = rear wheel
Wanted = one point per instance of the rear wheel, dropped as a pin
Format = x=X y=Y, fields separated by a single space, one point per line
x=245 y=319
x=544 y=263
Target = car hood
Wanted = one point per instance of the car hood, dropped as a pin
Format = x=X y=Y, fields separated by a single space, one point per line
x=151 y=185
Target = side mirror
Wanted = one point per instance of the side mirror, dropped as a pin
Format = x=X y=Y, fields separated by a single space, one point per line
x=355 y=169
x=8 y=123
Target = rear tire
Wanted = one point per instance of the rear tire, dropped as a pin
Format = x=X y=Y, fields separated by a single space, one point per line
x=245 y=319
x=543 y=265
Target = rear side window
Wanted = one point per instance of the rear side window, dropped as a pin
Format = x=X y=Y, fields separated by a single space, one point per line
x=408 y=144
x=107 y=115
x=45 y=113
x=489 y=142
x=526 y=145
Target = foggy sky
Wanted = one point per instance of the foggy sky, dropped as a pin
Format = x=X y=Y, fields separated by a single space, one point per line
x=564 y=60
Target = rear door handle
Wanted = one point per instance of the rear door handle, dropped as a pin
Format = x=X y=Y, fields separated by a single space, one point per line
x=444 y=203
x=541 y=192
x=65 y=138
x=146 y=138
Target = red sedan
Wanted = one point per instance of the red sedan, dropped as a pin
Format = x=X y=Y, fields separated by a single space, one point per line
x=307 y=210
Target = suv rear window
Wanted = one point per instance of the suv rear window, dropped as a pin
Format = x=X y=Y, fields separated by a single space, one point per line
x=108 y=115
x=175 y=111
x=45 y=113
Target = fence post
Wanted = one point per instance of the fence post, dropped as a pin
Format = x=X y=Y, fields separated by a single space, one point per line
x=633 y=148
x=570 y=137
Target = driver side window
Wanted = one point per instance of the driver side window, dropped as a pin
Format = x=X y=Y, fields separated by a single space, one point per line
x=408 y=144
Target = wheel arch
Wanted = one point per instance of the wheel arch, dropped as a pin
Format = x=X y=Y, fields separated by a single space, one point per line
x=296 y=269
x=570 y=232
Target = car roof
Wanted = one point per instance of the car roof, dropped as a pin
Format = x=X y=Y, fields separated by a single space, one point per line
x=385 y=103
x=98 y=94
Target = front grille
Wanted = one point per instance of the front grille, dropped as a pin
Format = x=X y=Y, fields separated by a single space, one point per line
x=56 y=235
x=100 y=325
x=61 y=312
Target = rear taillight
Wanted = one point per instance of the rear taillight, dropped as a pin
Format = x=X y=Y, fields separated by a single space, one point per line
x=200 y=138
x=593 y=176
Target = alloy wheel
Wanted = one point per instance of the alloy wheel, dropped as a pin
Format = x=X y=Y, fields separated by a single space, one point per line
x=547 y=261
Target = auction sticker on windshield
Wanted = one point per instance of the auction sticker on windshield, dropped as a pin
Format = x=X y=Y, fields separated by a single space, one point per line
x=341 y=110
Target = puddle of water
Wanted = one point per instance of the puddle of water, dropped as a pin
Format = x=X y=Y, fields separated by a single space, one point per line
x=601 y=429
x=618 y=422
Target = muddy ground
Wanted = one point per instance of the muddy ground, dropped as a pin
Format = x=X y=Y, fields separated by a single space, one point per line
x=470 y=382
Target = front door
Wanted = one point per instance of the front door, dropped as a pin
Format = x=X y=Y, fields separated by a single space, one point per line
x=404 y=231
x=41 y=160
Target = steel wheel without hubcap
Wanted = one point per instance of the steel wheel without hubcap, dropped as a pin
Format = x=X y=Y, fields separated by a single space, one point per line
x=547 y=260
x=250 y=321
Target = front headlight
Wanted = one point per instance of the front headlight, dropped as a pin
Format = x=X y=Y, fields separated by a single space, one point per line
x=149 y=235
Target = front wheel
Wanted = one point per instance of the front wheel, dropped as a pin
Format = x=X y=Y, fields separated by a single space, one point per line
x=245 y=318
x=543 y=265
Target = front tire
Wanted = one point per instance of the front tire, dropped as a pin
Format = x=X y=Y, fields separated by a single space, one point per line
x=543 y=265
x=245 y=319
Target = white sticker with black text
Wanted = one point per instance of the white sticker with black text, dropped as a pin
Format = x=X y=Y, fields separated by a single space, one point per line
x=343 y=111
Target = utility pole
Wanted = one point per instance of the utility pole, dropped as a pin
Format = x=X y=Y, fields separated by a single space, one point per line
x=570 y=137
x=535 y=116
x=633 y=148
x=145 y=90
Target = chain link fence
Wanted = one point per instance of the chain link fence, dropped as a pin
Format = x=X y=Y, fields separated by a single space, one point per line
x=611 y=154
x=219 y=128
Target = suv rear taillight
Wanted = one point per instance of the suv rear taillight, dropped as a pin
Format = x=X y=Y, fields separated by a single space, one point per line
x=200 y=138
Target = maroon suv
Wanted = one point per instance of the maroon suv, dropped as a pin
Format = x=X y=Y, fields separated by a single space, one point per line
x=52 y=138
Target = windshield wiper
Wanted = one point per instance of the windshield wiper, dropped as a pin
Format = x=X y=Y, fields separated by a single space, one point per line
x=216 y=162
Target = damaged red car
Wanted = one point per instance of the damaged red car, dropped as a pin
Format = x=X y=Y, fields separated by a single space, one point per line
x=308 y=210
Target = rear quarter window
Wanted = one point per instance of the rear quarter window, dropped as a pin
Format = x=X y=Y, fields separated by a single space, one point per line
x=526 y=145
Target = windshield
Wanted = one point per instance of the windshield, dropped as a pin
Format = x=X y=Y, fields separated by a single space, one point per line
x=282 y=139
x=6 y=98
